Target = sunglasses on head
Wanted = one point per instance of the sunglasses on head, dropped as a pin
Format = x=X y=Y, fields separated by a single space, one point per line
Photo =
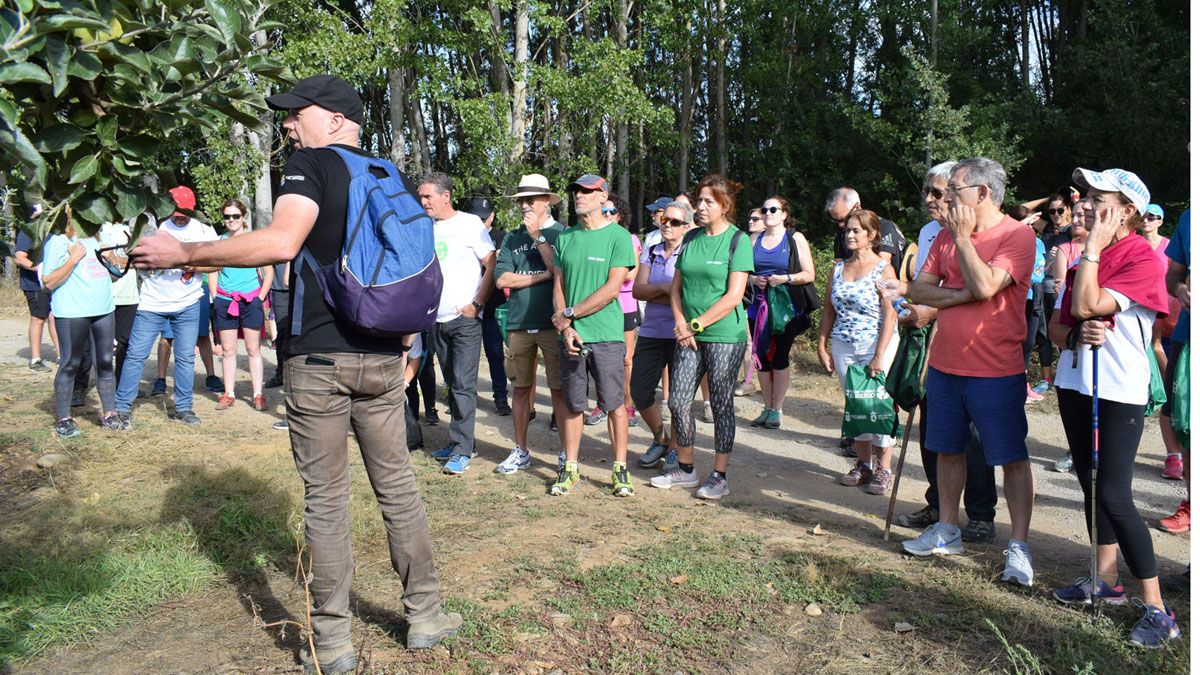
x=232 y=216
x=114 y=270
x=771 y=209
x=936 y=193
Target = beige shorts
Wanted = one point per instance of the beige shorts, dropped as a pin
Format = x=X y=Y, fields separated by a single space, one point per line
x=520 y=357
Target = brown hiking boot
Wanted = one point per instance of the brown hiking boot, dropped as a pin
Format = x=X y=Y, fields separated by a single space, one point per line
x=333 y=661
x=857 y=475
x=427 y=633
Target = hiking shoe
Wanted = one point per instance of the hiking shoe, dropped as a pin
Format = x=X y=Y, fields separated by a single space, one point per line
x=774 y=418
x=503 y=409
x=621 y=487
x=706 y=413
x=426 y=634
x=881 y=482
x=567 y=478
x=1064 y=464
x=857 y=475
x=517 y=459
x=919 y=519
x=126 y=421
x=214 y=384
x=937 y=538
x=187 y=417
x=1032 y=396
x=259 y=403
x=159 y=387
x=714 y=488
x=762 y=418
x=111 y=422
x=457 y=465
x=596 y=416
x=744 y=389
x=553 y=422
x=335 y=661
x=38 y=365
x=1042 y=387
x=1080 y=593
x=633 y=417
x=1155 y=628
x=1180 y=521
x=225 y=402
x=671 y=461
x=431 y=418
x=653 y=455
x=66 y=428
x=978 y=530
x=281 y=425
x=1173 y=467
x=275 y=381
x=1018 y=564
x=78 y=398
x=676 y=478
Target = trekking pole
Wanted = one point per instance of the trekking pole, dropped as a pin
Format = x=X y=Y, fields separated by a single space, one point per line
x=1095 y=467
x=887 y=523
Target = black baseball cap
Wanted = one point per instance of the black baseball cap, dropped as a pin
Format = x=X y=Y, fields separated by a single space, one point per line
x=479 y=206
x=327 y=91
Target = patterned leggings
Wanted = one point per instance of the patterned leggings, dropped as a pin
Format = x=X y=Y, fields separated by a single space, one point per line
x=720 y=361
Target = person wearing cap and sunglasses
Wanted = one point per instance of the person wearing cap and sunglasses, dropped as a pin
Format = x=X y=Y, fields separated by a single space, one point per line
x=1103 y=318
x=657 y=209
x=591 y=262
x=524 y=268
x=359 y=377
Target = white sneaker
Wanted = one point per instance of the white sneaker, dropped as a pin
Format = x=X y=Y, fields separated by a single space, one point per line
x=676 y=478
x=1018 y=564
x=937 y=538
x=517 y=459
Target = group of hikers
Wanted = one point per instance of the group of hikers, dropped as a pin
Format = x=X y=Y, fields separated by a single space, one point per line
x=699 y=305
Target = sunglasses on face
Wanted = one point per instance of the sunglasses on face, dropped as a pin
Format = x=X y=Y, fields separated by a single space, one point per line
x=114 y=270
x=755 y=219
x=585 y=190
x=1056 y=212
x=674 y=222
x=771 y=209
x=232 y=216
x=608 y=211
x=937 y=193
x=1152 y=219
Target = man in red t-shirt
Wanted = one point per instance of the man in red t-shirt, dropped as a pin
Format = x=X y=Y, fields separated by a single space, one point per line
x=977 y=275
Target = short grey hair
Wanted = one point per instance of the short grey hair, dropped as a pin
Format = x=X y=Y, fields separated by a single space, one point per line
x=846 y=195
x=439 y=180
x=940 y=172
x=688 y=214
x=984 y=171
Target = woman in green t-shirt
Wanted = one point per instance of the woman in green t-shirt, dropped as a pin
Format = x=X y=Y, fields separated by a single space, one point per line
x=710 y=327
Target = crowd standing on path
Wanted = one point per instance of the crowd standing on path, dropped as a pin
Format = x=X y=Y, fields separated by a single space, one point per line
x=1083 y=282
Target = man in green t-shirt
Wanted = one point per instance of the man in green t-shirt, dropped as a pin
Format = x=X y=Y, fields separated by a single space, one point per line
x=591 y=262
x=524 y=267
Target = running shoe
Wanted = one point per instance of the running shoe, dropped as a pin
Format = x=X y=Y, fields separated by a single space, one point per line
x=633 y=417
x=259 y=403
x=744 y=389
x=880 y=483
x=159 y=387
x=1018 y=564
x=443 y=453
x=714 y=488
x=517 y=459
x=38 y=365
x=919 y=519
x=1173 y=467
x=977 y=530
x=1180 y=521
x=457 y=465
x=774 y=419
x=126 y=421
x=1032 y=396
x=187 y=417
x=111 y=422
x=225 y=402
x=567 y=478
x=214 y=384
x=281 y=425
x=431 y=418
x=653 y=455
x=1080 y=593
x=621 y=487
x=671 y=461
x=1065 y=464
x=857 y=475
x=1156 y=628
x=503 y=409
x=66 y=428
x=596 y=416
x=676 y=478
x=762 y=418
x=937 y=538
x=1042 y=387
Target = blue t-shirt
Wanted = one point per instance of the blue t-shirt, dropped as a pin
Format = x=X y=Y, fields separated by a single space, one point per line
x=88 y=291
x=1180 y=250
x=238 y=279
x=29 y=278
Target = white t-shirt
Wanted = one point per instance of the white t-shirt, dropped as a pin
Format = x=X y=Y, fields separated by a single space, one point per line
x=1124 y=368
x=461 y=242
x=125 y=289
x=925 y=242
x=653 y=238
x=173 y=290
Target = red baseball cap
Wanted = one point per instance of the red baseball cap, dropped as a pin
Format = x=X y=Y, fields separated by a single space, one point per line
x=184 y=199
x=590 y=181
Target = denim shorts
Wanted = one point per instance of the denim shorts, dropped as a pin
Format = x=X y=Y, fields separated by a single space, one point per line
x=996 y=405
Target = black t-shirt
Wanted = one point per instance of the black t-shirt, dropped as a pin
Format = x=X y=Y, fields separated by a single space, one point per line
x=321 y=175
x=497 y=297
x=29 y=278
x=891 y=241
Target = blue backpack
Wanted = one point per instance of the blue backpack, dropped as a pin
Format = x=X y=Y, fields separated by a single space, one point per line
x=387 y=281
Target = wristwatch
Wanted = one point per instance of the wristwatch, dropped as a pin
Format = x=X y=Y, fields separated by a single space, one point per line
x=540 y=240
x=478 y=307
x=569 y=313
x=695 y=326
x=1090 y=258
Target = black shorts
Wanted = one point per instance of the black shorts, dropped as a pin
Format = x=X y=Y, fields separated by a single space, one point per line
x=250 y=315
x=39 y=303
x=633 y=319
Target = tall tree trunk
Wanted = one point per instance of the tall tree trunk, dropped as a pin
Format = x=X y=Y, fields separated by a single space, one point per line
x=498 y=73
x=610 y=150
x=720 y=96
x=261 y=140
x=621 y=35
x=416 y=125
x=566 y=141
x=396 y=90
x=852 y=60
x=689 y=92
x=519 y=119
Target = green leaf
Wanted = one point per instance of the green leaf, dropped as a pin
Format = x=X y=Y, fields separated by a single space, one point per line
x=26 y=6
x=138 y=147
x=226 y=16
x=131 y=201
x=64 y=22
x=14 y=142
x=11 y=73
x=84 y=65
x=83 y=169
x=57 y=57
x=125 y=54
x=58 y=138
x=106 y=130
x=94 y=209
x=231 y=111
x=9 y=115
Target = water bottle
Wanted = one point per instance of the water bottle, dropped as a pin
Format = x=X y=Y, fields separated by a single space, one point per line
x=900 y=311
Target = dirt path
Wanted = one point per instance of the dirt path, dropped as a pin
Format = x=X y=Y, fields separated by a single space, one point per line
x=783 y=483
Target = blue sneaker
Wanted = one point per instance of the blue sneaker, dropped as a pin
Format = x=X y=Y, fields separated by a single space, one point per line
x=1080 y=593
x=1042 y=387
x=937 y=538
x=443 y=453
x=1155 y=628
x=457 y=465
x=671 y=461
x=653 y=455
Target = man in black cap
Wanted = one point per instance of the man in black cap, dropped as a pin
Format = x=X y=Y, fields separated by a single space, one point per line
x=493 y=339
x=336 y=377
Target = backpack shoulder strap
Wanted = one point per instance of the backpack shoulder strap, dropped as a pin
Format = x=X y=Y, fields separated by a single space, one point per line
x=303 y=259
x=733 y=243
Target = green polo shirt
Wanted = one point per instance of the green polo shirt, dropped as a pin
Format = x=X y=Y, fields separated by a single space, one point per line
x=585 y=258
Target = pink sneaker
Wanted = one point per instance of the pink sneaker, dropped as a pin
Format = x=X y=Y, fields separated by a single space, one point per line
x=1031 y=395
x=1173 y=467
x=1180 y=521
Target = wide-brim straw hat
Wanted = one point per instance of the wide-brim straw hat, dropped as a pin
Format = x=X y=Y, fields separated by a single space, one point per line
x=535 y=184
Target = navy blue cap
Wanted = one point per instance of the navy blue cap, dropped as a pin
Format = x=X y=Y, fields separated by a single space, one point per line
x=659 y=204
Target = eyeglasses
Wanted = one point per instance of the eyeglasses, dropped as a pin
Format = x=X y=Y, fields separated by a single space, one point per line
x=937 y=193
x=608 y=212
x=959 y=188
x=232 y=216
x=771 y=209
x=755 y=219
x=580 y=190
x=1056 y=212
x=675 y=222
x=1150 y=219
x=114 y=270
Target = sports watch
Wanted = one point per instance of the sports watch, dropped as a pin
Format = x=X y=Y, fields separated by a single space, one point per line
x=695 y=326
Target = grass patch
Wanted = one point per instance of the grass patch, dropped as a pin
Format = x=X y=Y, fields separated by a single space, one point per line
x=46 y=601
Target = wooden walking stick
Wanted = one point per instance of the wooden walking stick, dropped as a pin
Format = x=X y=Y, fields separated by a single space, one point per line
x=887 y=524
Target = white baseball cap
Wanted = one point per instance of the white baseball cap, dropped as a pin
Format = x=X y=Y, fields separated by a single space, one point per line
x=1115 y=180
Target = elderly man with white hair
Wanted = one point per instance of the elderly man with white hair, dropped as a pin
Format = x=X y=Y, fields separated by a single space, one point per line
x=839 y=204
